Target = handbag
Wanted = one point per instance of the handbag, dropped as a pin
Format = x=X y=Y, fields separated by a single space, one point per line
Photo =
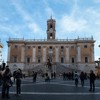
x=9 y=83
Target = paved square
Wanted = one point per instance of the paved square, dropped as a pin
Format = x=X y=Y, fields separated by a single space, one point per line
x=54 y=90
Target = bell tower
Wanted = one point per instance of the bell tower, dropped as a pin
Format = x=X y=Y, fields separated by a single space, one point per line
x=51 y=32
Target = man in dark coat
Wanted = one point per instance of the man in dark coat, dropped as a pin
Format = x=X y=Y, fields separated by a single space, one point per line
x=92 y=81
x=6 y=83
x=18 y=77
x=82 y=77
x=34 y=76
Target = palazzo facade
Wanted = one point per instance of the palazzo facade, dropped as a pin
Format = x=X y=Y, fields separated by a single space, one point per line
x=64 y=54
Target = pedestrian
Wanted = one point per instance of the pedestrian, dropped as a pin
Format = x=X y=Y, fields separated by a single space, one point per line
x=47 y=79
x=0 y=77
x=92 y=81
x=34 y=76
x=14 y=73
x=64 y=75
x=6 y=83
x=82 y=77
x=76 y=77
x=18 y=77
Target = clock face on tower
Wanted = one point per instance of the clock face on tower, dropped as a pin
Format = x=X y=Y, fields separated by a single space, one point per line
x=51 y=30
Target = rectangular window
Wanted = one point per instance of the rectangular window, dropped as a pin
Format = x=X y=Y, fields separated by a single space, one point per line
x=86 y=59
x=85 y=46
x=16 y=46
x=39 y=60
x=62 y=60
x=39 y=47
x=73 y=60
x=62 y=47
x=28 y=59
x=28 y=47
x=50 y=47
x=15 y=59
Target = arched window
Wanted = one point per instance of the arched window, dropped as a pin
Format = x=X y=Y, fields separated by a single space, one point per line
x=50 y=25
x=50 y=34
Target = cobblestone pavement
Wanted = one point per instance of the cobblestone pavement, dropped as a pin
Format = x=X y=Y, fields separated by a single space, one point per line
x=54 y=90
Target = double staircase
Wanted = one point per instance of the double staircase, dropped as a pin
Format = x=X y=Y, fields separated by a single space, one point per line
x=60 y=68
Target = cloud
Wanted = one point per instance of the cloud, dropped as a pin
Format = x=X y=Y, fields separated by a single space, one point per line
x=29 y=22
x=97 y=1
x=74 y=22
x=69 y=24
x=49 y=11
x=93 y=13
x=21 y=11
x=80 y=20
x=35 y=27
x=10 y=30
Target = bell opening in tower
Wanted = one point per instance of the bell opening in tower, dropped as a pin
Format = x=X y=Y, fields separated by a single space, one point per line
x=51 y=26
x=50 y=35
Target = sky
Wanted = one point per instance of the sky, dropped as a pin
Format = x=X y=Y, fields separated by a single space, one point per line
x=28 y=19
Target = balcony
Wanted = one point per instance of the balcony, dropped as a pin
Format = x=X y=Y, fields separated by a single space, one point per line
x=55 y=40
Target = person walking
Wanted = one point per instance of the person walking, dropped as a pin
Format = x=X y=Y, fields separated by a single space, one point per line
x=6 y=83
x=76 y=77
x=82 y=77
x=34 y=77
x=18 y=77
x=92 y=81
x=64 y=75
x=14 y=73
